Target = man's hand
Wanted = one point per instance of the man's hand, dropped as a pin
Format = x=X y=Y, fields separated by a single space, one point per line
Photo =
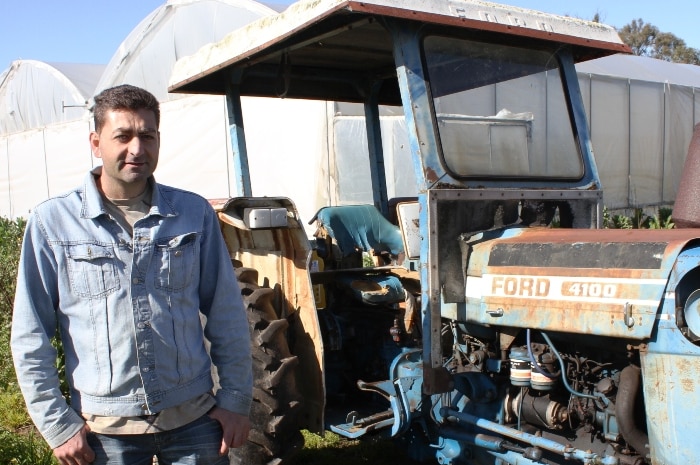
x=76 y=450
x=236 y=428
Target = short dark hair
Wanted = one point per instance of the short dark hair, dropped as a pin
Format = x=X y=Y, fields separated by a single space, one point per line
x=124 y=97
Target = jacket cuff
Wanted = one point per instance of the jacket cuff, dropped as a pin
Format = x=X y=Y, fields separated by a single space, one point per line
x=233 y=401
x=61 y=432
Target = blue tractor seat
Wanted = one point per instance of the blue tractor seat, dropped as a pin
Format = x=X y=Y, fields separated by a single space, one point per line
x=360 y=228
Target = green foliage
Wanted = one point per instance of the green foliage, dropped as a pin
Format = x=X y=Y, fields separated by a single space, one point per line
x=611 y=221
x=14 y=414
x=662 y=220
x=11 y=402
x=332 y=448
x=19 y=444
x=11 y=233
x=10 y=241
x=647 y=40
x=639 y=220
x=24 y=449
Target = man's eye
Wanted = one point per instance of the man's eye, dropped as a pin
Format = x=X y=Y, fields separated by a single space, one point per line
x=122 y=138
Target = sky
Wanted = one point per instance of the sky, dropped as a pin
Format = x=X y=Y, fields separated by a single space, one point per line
x=90 y=31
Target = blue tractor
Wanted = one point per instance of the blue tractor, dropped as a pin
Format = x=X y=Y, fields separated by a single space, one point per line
x=487 y=318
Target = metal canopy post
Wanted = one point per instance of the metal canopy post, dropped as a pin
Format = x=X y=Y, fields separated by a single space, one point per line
x=235 y=127
x=419 y=123
x=374 y=145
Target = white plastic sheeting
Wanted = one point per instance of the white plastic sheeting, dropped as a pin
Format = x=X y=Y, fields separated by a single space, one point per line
x=640 y=128
x=39 y=163
x=34 y=94
x=352 y=178
x=194 y=155
x=641 y=111
x=176 y=29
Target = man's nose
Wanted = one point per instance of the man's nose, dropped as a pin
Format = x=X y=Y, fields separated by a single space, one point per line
x=135 y=146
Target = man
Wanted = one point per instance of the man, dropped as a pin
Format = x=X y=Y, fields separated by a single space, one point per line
x=135 y=275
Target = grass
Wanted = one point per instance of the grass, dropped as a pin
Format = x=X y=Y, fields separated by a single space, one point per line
x=332 y=448
x=24 y=448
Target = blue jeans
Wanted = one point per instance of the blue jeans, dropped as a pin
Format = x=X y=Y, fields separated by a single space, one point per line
x=196 y=443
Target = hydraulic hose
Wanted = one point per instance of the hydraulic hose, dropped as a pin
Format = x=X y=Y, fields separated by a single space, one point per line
x=627 y=392
x=533 y=362
x=563 y=374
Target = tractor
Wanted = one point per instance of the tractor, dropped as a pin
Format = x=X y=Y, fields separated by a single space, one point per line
x=483 y=316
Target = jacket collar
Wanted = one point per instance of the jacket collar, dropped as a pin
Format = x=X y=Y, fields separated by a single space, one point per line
x=93 y=203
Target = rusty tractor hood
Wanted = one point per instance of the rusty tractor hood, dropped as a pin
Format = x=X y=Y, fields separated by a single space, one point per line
x=603 y=282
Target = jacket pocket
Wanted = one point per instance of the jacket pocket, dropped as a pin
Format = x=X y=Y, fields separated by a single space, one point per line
x=176 y=258
x=92 y=269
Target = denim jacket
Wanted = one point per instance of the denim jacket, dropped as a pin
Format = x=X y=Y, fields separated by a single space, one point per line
x=128 y=311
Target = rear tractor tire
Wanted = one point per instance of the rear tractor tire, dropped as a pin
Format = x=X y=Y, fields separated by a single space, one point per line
x=274 y=436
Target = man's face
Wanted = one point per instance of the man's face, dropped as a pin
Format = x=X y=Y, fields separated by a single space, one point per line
x=128 y=145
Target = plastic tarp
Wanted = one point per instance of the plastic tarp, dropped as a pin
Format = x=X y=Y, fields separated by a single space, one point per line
x=174 y=30
x=27 y=186
x=68 y=156
x=349 y=164
x=641 y=114
x=34 y=94
x=641 y=111
x=642 y=69
x=288 y=151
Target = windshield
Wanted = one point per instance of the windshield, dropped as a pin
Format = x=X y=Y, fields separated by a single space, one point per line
x=500 y=111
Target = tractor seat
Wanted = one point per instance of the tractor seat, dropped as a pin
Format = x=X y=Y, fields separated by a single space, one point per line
x=360 y=228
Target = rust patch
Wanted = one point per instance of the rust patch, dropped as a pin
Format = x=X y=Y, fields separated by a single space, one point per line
x=688 y=385
x=565 y=235
x=430 y=175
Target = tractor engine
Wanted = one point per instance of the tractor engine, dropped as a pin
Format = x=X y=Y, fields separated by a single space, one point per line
x=556 y=395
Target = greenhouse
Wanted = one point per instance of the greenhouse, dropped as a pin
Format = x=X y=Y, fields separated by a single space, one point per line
x=642 y=113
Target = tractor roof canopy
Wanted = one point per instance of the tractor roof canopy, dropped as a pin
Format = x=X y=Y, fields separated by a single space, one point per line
x=328 y=49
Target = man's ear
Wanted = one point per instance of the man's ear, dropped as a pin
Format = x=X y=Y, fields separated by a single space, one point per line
x=95 y=144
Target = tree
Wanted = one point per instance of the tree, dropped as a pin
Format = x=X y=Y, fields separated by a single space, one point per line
x=647 y=40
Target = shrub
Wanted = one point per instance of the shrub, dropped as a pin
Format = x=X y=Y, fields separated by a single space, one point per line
x=10 y=241
x=19 y=444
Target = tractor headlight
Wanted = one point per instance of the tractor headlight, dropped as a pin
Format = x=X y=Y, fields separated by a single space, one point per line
x=691 y=314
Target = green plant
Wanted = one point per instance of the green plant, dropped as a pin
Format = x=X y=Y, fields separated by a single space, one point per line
x=611 y=221
x=662 y=220
x=14 y=413
x=24 y=449
x=332 y=448
x=19 y=443
x=11 y=233
x=639 y=220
